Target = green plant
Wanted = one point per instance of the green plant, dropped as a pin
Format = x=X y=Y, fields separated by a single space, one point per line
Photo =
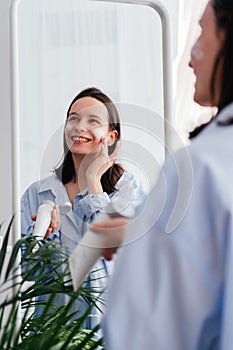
x=56 y=328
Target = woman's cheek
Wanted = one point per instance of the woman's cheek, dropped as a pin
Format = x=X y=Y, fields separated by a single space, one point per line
x=67 y=130
x=197 y=52
x=98 y=134
x=68 y=127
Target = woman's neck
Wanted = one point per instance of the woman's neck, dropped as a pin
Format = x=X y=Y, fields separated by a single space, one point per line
x=80 y=172
x=78 y=183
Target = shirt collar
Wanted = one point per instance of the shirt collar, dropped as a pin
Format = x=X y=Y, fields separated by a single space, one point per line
x=50 y=183
x=225 y=113
x=54 y=185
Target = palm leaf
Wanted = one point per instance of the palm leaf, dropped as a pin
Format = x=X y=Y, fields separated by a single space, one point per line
x=55 y=329
x=3 y=250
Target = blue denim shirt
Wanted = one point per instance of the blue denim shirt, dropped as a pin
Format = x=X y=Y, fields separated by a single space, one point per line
x=73 y=225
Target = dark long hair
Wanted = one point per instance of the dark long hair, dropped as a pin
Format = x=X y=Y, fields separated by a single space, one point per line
x=66 y=172
x=223 y=10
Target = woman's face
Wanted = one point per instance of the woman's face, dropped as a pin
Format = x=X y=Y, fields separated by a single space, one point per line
x=87 y=125
x=203 y=57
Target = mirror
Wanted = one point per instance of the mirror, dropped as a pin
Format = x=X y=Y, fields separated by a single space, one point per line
x=65 y=46
x=60 y=47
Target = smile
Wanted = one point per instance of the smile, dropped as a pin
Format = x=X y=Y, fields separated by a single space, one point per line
x=79 y=139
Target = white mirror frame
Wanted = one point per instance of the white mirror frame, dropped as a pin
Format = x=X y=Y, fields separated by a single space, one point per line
x=167 y=96
x=15 y=137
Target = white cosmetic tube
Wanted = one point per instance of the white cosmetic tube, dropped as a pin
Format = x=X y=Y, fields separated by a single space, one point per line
x=43 y=219
x=85 y=255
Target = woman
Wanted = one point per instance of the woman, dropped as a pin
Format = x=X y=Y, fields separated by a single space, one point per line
x=181 y=296
x=89 y=178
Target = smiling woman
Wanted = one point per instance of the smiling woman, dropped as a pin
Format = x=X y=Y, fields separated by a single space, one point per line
x=92 y=116
x=89 y=178
x=87 y=126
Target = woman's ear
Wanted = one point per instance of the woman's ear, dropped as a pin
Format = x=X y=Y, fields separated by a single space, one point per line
x=112 y=136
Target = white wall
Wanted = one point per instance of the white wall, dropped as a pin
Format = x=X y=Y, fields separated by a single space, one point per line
x=5 y=129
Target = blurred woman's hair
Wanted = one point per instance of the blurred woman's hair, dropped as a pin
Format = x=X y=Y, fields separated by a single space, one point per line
x=223 y=10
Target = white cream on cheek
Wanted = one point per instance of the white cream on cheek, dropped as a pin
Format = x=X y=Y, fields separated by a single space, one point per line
x=197 y=52
x=68 y=127
x=98 y=133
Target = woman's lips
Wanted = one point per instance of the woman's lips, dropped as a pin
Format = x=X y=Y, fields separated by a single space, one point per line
x=80 y=139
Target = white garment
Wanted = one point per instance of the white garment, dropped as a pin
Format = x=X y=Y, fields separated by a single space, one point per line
x=172 y=287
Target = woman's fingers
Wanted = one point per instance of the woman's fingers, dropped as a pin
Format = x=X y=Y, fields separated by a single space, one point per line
x=108 y=160
x=114 y=233
x=95 y=164
x=115 y=223
x=48 y=232
x=34 y=216
x=108 y=253
x=55 y=221
x=55 y=218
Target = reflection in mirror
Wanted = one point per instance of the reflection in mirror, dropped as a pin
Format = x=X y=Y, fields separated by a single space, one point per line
x=65 y=46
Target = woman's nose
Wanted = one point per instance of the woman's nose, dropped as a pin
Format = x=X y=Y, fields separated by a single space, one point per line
x=196 y=53
x=81 y=126
x=191 y=56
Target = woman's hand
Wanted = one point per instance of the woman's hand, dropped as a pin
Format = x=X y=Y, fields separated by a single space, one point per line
x=97 y=163
x=55 y=221
x=113 y=231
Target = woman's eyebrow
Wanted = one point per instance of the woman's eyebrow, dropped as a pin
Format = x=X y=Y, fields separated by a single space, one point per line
x=89 y=116
x=73 y=113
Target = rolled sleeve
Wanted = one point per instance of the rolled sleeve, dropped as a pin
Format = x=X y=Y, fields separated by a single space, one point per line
x=93 y=203
x=129 y=195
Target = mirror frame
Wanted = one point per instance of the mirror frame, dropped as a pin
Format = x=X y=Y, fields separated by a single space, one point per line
x=157 y=6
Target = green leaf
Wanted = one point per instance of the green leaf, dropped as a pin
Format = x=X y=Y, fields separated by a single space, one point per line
x=4 y=245
x=56 y=328
x=13 y=258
